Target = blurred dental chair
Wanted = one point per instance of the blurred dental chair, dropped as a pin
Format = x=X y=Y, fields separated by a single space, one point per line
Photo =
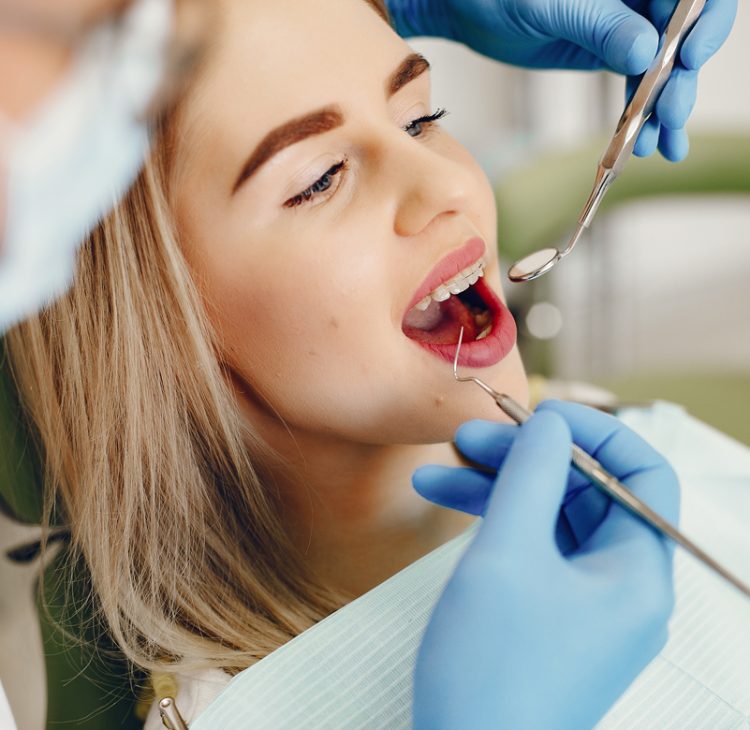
x=538 y=205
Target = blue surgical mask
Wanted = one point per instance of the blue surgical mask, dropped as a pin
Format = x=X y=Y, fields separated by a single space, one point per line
x=68 y=164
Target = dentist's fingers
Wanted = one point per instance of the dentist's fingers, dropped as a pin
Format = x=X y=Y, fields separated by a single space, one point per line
x=709 y=33
x=620 y=450
x=678 y=98
x=631 y=538
x=485 y=442
x=633 y=461
x=674 y=144
x=660 y=11
x=612 y=31
x=523 y=508
x=584 y=513
x=658 y=487
x=461 y=489
x=648 y=139
x=467 y=490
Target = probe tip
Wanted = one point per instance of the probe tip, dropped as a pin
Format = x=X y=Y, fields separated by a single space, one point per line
x=458 y=349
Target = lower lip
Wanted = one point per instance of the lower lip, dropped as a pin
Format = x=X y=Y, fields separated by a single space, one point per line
x=490 y=350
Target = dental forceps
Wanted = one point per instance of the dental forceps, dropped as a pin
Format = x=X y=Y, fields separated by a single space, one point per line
x=636 y=114
x=606 y=482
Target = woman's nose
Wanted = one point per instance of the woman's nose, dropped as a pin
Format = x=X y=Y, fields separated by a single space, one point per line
x=430 y=185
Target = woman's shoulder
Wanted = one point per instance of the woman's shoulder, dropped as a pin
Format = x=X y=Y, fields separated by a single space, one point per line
x=196 y=690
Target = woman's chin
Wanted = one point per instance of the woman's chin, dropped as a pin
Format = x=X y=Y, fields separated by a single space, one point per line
x=468 y=404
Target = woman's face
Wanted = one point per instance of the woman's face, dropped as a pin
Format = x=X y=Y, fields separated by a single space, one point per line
x=318 y=203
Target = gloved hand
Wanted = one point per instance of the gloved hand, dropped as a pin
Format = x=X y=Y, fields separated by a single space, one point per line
x=622 y=35
x=525 y=637
x=487 y=444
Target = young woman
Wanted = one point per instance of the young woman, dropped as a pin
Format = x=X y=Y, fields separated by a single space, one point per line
x=256 y=354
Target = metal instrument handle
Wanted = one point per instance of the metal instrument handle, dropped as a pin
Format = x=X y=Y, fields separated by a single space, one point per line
x=642 y=104
x=170 y=715
x=614 y=488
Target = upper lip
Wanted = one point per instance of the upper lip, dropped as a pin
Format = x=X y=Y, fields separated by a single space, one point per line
x=458 y=260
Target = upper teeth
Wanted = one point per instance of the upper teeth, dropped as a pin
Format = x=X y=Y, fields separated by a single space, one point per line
x=460 y=282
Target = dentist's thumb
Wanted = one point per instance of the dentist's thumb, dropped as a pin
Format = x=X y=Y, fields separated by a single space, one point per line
x=612 y=31
x=523 y=508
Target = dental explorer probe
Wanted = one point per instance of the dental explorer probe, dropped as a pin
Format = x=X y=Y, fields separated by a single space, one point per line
x=636 y=114
x=606 y=482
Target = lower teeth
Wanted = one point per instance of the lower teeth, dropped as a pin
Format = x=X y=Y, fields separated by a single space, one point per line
x=482 y=316
x=484 y=333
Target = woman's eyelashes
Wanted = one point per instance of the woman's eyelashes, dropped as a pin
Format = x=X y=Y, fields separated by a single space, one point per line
x=417 y=126
x=325 y=186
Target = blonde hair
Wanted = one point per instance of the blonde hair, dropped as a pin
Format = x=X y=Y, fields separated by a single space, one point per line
x=165 y=491
x=144 y=447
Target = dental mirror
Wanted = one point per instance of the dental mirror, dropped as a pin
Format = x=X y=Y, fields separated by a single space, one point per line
x=533 y=265
x=636 y=114
x=540 y=262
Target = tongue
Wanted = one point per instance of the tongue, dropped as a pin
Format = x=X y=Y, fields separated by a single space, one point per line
x=441 y=323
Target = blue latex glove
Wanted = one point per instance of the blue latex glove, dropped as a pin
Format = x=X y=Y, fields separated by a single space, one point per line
x=487 y=444
x=524 y=637
x=622 y=35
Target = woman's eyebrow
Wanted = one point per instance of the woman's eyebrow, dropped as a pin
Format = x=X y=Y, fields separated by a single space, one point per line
x=293 y=131
x=323 y=120
x=411 y=67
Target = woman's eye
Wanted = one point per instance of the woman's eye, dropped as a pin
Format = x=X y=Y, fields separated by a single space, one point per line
x=416 y=127
x=320 y=186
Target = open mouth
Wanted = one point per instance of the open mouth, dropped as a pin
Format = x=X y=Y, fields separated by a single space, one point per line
x=464 y=301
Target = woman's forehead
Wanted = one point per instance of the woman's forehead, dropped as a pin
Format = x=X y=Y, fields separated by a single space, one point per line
x=273 y=61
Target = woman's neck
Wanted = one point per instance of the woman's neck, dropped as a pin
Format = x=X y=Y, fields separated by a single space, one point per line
x=353 y=514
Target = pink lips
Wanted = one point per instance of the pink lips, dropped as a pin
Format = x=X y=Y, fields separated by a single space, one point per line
x=493 y=348
x=448 y=267
x=501 y=339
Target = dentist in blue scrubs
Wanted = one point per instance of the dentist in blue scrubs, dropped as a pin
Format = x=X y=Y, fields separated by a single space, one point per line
x=562 y=598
